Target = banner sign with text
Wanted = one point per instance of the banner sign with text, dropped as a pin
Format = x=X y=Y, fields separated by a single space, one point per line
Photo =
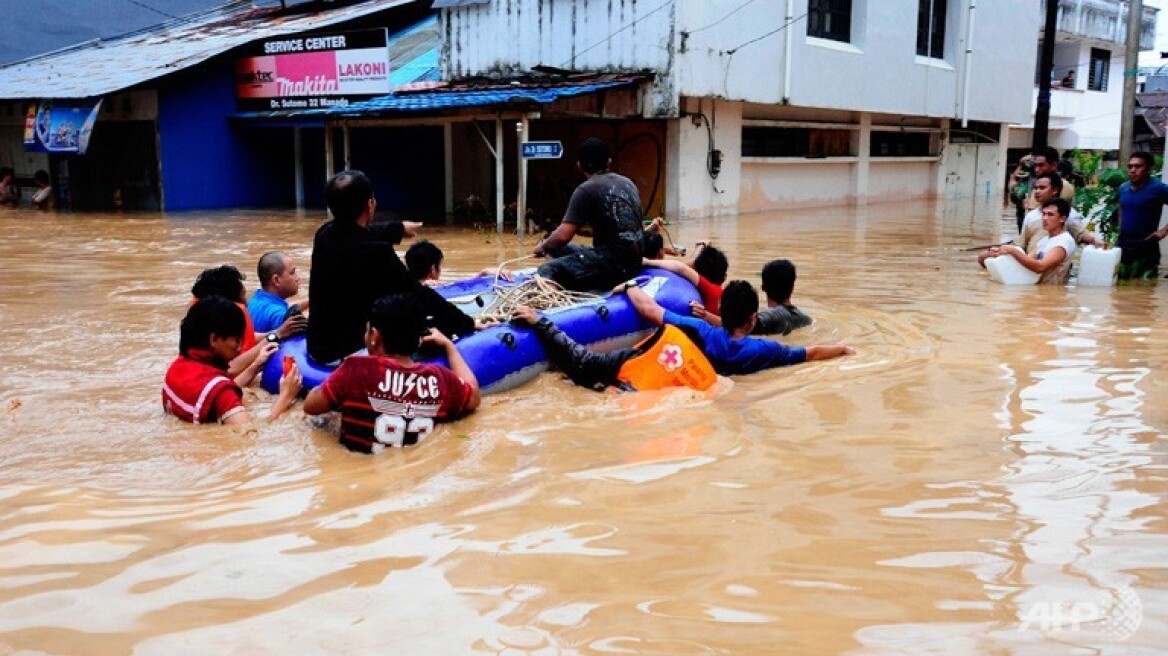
x=60 y=126
x=309 y=72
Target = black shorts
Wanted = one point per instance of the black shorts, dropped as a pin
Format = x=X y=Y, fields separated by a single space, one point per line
x=588 y=269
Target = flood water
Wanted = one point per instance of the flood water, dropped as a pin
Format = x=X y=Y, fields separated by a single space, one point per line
x=986 y=475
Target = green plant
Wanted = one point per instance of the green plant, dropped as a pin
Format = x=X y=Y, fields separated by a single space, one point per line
x=1087 y=163
x=1100 y=203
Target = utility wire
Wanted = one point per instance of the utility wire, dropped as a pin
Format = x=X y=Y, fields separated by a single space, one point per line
x=732 y=12
x=773 y=32
x=622 y=29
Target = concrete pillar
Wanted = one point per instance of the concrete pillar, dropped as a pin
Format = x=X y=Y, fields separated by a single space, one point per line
x=863 y=152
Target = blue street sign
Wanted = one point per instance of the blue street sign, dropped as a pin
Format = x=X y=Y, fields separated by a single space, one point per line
x=542 y=149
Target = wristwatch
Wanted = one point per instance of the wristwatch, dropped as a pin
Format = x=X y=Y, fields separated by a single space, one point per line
x=272 y=338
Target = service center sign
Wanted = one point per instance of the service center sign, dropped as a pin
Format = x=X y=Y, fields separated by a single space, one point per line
x=309 y=72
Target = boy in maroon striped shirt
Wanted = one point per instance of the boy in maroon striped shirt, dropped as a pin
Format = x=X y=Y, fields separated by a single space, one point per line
x=385 y=398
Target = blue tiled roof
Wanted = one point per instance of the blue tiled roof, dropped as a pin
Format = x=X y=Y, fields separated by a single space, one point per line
x=440 y=99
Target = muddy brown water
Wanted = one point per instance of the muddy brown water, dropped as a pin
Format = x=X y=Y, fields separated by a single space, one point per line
x=986 y=475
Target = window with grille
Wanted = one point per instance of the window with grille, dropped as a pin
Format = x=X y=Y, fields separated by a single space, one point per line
x=1097 y=71
x=830 y=19
x=901 y=144
x=931 y=16
x=796 y=142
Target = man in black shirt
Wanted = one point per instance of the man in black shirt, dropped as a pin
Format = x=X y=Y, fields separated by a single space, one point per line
x=609 y=203
x=354 y=264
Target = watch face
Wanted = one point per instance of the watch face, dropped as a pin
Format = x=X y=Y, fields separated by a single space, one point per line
x=273 y=338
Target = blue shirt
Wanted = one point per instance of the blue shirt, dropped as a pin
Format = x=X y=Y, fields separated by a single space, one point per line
x=745 y=355
x=1139 y=210
x=267 y=311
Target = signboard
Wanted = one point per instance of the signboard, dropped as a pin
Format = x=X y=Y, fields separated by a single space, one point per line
x=542 y=150
x=309 y=72
x=60 y=126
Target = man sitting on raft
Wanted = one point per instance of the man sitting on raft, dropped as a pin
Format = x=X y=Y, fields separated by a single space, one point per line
x=424 y=261
x=354 y=264
x=609 y=203
x=385 y=398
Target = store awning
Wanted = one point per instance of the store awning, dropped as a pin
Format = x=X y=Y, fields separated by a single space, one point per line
x=98 y=68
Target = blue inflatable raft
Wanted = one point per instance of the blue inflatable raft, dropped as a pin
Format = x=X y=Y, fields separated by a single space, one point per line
x=506 y=356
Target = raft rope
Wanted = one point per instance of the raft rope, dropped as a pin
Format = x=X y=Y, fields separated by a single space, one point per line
x=536 y=292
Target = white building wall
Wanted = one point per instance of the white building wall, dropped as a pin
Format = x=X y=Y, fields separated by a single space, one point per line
x=690 y=190
x=727 y=50
x=1080 y=117
x=511 y=37
x=878 y=71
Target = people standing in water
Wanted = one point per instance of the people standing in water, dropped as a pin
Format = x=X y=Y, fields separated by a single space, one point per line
x=9 y=192
x=1141 y=201
x=1052 y=256
x=385 y=398
x=611 y=204
x=43 y=198
x=354 y=264
x=730 y=348
x=197 y=387
x=268 y=306
x=706 y=270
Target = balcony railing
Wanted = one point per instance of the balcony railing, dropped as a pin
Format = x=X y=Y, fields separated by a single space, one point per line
x=1104 y=20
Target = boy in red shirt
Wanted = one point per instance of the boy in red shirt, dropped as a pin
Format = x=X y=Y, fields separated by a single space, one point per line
x=706 y=271
x=197 y=387
x=385 y=398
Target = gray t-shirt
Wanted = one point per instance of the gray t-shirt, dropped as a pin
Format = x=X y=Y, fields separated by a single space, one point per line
x=780 y=320
x=610 y=204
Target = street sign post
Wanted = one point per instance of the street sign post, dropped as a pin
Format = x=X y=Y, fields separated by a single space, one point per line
x=542 y=150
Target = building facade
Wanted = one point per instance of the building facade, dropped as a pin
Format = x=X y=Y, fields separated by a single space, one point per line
x=785 y=103
x=1090 y=41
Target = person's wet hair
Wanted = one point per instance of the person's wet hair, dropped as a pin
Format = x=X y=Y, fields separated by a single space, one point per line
x=711 y=264
x=1148 y=158
x=778 y=280
x=271 y=264
x=1056 y=182
x=593 y=155
x=652 y=245
x=225 y=281
x=347 y=195
x=211 y=315
x=739 y=303
x=41 y=176
x=421 y=257
x=401 y=321
x=1060 y=205
x=1049 y=154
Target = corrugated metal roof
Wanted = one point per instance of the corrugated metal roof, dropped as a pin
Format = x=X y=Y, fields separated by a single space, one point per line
x=96 y=69
x=457 y=98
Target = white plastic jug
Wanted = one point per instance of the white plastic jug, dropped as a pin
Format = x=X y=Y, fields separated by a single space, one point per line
x=1008 y=271
x=1097 y=267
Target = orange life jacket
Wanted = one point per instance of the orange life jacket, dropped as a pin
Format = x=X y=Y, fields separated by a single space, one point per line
x=668 y=358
